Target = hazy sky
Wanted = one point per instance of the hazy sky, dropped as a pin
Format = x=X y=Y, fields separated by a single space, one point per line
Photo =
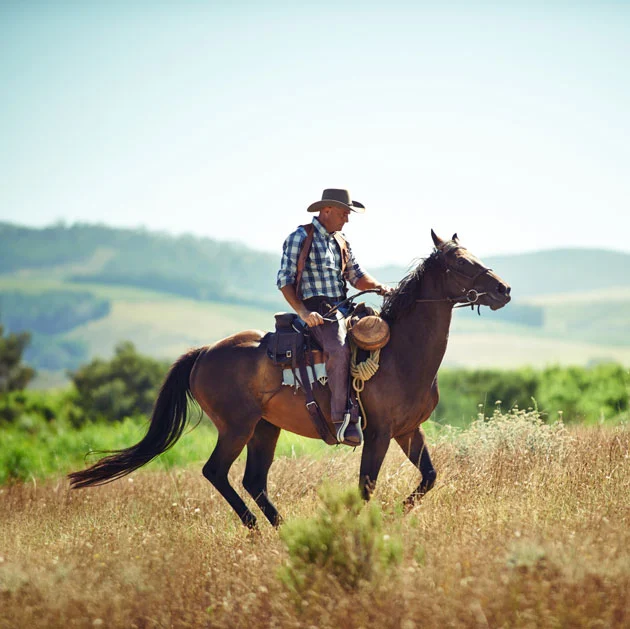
x=508 y=122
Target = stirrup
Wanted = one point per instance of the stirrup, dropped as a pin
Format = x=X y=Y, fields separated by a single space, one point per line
x=341 y=431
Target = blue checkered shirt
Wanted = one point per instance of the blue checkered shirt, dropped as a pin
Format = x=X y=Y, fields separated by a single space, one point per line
x=322 y=270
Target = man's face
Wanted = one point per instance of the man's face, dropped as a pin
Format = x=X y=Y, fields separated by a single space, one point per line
x=334 y=218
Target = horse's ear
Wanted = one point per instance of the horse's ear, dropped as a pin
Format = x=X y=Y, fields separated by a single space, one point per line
x=455 y=238
x=437 y=241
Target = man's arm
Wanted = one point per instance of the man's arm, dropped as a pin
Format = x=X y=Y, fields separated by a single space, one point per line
x=311 y=319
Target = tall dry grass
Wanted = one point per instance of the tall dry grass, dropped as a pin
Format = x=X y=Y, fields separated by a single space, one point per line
x=527 y=527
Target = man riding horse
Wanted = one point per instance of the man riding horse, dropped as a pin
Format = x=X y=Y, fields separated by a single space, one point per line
x=317 y=262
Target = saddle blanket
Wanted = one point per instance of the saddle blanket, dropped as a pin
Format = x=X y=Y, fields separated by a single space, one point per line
x=294 y=380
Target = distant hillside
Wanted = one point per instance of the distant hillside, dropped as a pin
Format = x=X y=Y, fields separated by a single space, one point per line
x=552 y=272
x=199 y=268
x=80 y=289
x=206 y=269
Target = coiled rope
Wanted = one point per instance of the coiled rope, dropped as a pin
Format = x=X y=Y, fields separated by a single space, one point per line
x=361 y=373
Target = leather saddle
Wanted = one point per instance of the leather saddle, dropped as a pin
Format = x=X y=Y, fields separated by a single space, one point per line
x=291 y=345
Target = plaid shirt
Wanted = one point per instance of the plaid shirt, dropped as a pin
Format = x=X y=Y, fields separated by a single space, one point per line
x=322 y=271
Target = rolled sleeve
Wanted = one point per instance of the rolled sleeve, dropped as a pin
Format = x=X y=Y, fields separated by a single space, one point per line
x=290 y=253
x=354 y=272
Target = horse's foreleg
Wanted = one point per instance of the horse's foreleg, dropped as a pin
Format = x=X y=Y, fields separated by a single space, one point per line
x=229 y=446
x=260 y=451
x=414 y=446
x=374 y=450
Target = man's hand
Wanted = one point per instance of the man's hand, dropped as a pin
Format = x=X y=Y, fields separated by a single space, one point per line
x=313 y=319
x=384 y=291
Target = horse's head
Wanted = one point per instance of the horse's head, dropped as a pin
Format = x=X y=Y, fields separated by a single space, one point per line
x=467 y=279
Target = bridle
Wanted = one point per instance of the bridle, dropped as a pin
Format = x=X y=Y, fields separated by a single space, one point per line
x=469 y=296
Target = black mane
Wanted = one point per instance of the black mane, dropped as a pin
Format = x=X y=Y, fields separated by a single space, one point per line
x=408 y=290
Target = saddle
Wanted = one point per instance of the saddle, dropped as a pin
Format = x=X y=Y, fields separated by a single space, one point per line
x=292 y=346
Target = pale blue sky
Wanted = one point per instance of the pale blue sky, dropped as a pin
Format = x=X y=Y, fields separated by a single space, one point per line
x=507 y=122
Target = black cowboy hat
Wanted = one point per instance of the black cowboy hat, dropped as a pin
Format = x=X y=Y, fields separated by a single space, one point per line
x=333 y=197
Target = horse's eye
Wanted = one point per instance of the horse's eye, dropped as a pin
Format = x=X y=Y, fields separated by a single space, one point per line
x=461 y=262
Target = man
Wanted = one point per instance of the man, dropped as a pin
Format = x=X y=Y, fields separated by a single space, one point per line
x=322 y=285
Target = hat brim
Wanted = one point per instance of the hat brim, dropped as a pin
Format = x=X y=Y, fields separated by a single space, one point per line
x=320 y=205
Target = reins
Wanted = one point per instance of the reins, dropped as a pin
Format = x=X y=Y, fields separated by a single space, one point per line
x=347 y=300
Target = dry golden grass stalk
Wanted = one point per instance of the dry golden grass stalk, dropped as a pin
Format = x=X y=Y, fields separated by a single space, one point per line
x=527 y=533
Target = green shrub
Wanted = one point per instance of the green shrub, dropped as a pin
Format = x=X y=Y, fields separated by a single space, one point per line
x=581 y=394
x=24 y=407
x=127 y=385
x=518 y=432
x=14 y=375
x=592 y=394
x=345 y=540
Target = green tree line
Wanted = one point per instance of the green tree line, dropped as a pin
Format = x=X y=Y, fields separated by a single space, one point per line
x=577 y=394
x=50 y=312
x=127 y=385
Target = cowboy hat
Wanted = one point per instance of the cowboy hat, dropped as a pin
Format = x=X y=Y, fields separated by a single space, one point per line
x=333 y=197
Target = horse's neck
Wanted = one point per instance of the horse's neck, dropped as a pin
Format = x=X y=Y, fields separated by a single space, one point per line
x=419 y=337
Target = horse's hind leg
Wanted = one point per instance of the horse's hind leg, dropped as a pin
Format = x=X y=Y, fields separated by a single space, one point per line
x=415 y=447
x=260 y=451
x=229 y=445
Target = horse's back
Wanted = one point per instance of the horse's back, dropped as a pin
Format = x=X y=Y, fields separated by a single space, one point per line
x=247 y=338
x=233 y=372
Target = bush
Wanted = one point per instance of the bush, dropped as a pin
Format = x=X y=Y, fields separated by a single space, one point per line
x=14 y=375
x=517 y=432
x=27 y=408
x=345 y=540
x=600 y=392
x=125 y=386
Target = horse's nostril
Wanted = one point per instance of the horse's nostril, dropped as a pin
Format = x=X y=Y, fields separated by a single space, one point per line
x=507 y=290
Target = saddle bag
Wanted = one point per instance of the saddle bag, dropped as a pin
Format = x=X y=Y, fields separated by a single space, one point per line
x=286 y=344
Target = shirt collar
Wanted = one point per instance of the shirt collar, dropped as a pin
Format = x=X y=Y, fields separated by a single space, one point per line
x=320 y=228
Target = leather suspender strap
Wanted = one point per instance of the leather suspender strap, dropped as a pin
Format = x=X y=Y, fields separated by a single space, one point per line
x=301 y=263
x=306 y=249
x=343 y=248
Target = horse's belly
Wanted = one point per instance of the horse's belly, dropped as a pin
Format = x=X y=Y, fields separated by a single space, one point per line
x=288 y=411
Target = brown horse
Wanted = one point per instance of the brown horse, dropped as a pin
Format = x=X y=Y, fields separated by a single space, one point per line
x=240 y=389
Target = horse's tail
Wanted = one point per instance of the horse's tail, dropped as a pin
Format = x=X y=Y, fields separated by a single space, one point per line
x=168 y=421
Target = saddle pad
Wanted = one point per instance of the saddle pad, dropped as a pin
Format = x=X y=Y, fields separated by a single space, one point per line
x=293 y=379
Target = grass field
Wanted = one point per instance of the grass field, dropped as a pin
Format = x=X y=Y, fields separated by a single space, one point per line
x=528 y=526
x=34 y=450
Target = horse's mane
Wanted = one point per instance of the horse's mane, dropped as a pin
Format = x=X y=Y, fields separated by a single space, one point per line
x=408 y=290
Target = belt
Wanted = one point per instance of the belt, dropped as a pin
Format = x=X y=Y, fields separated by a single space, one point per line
x=324 y=304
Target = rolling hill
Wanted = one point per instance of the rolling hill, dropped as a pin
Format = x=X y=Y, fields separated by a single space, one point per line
x=169 y=293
